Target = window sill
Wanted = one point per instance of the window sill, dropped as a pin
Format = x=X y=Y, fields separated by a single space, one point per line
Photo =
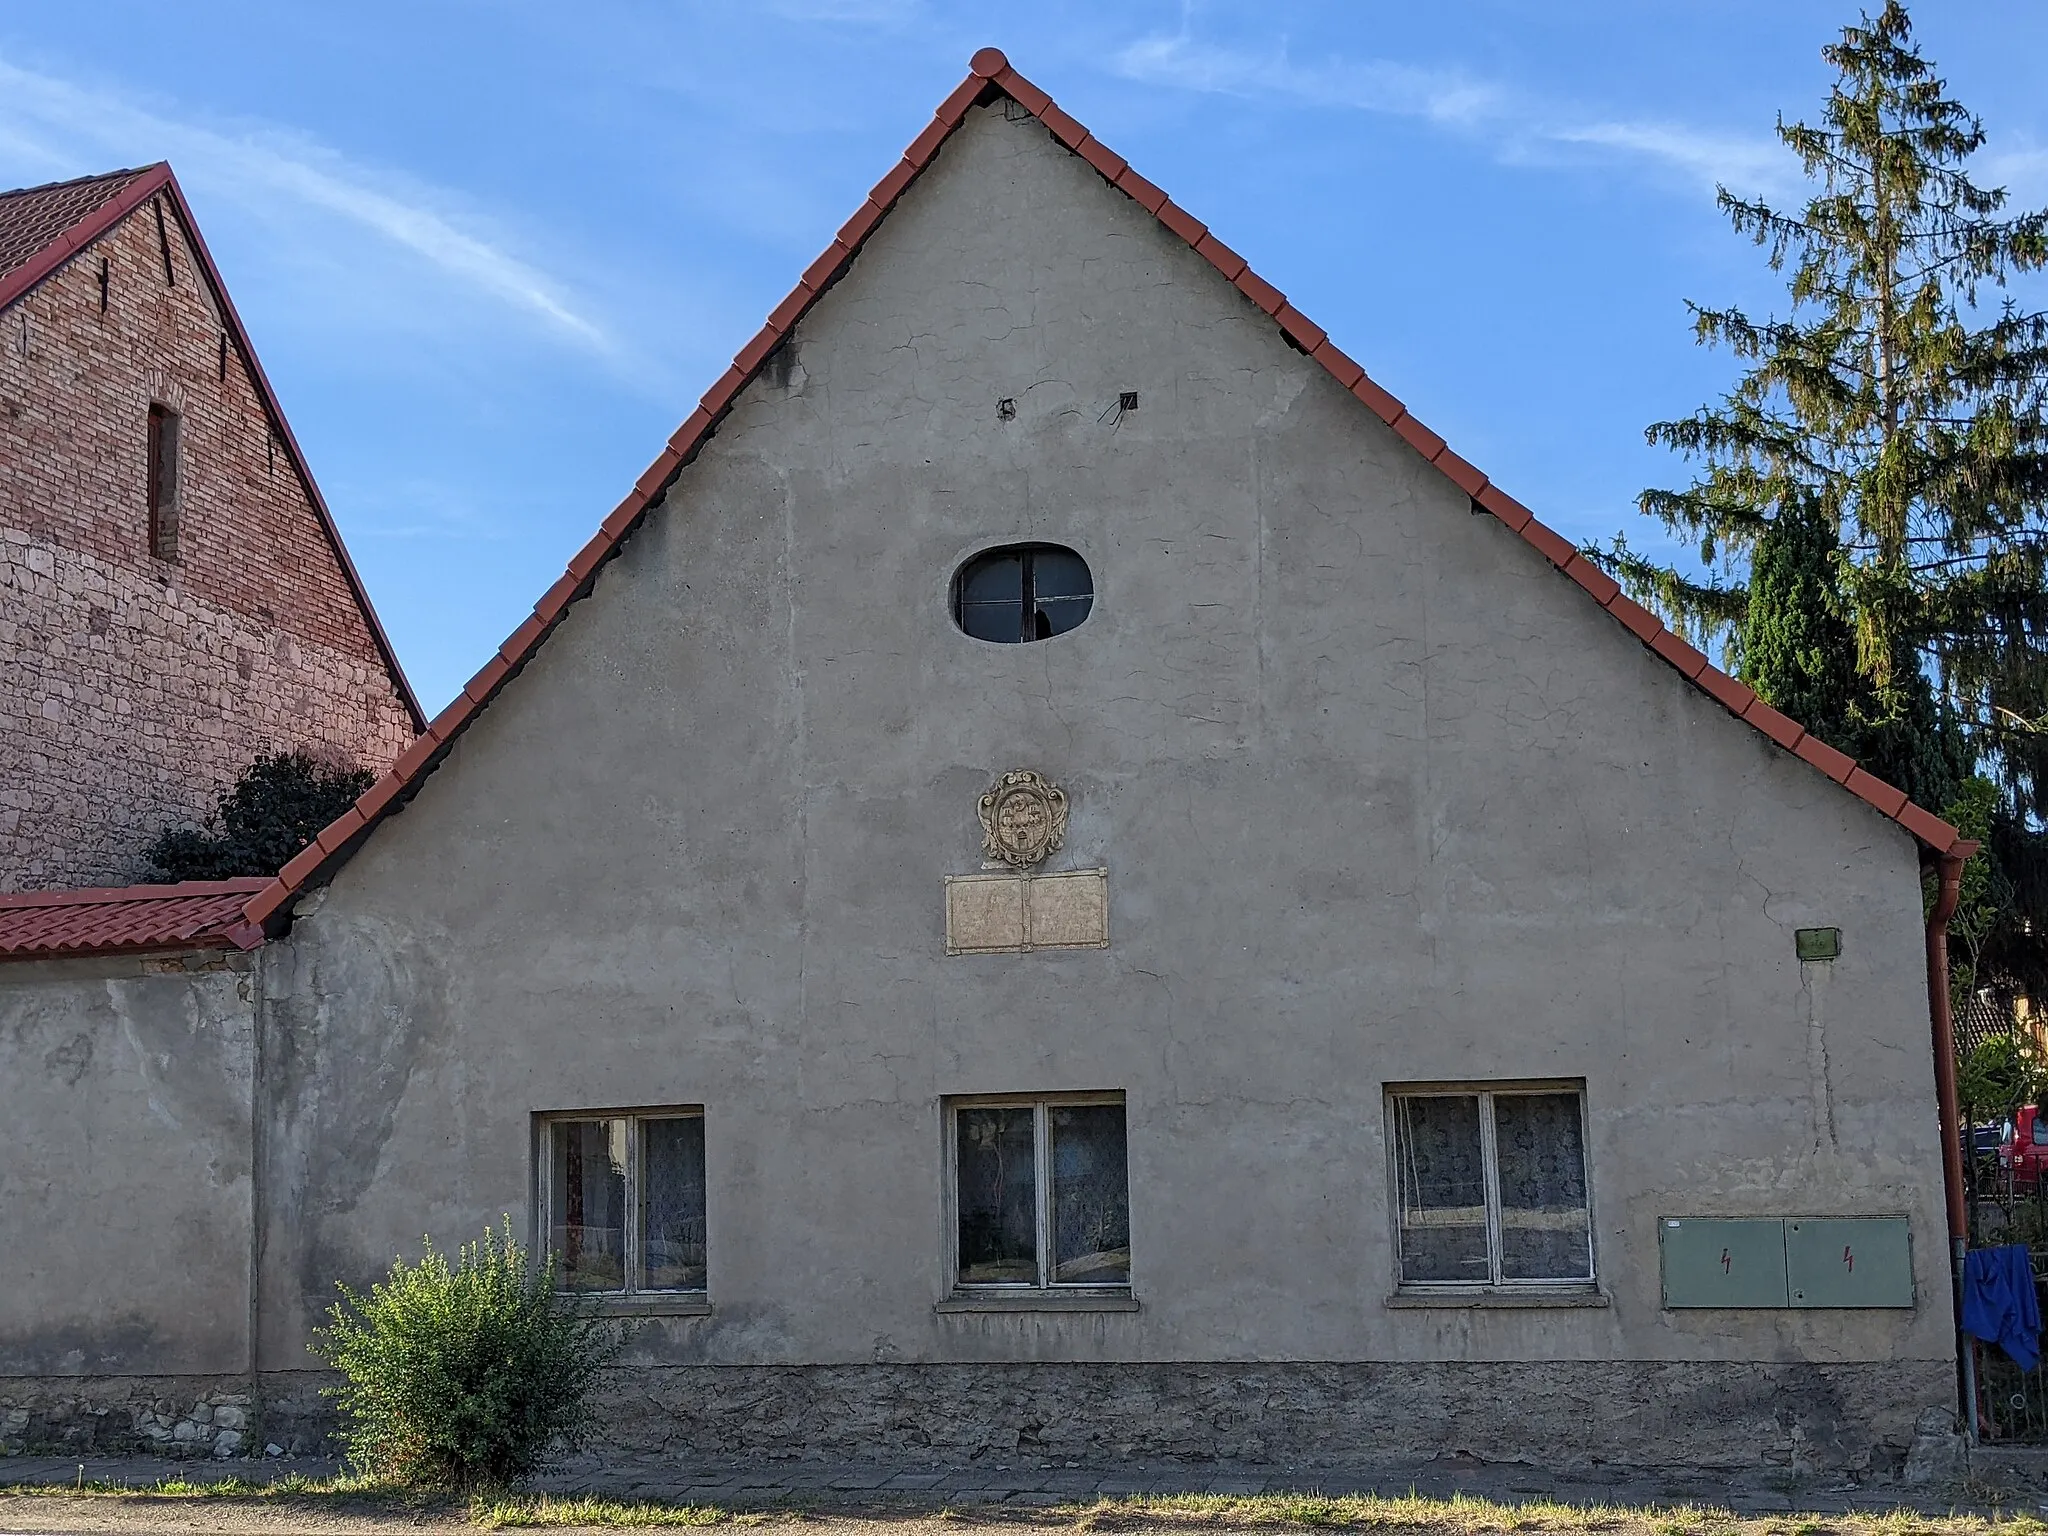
x=650 y=1305
x=1501 y=1299
x=1039 y=1301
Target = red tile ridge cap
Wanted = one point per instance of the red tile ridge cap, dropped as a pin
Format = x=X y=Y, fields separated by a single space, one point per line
x=990 y=72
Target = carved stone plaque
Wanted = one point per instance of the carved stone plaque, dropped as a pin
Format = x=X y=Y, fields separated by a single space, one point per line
x=1023 y=818
x=1015 y=914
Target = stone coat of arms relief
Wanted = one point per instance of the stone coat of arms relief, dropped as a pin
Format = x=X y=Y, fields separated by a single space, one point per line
x=1023 y=818
x=1021 y=909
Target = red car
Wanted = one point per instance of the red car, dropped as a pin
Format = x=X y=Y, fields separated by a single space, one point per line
x=2024 y=1151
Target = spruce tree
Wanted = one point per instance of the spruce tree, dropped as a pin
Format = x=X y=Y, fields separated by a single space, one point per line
x=1900 y=407
x=1798 y=646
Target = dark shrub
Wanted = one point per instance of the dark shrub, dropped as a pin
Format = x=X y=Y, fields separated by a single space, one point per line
x=278 y=806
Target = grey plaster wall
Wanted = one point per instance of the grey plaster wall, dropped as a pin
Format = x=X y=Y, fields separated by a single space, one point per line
x=1383 y=798
x=125 y=1192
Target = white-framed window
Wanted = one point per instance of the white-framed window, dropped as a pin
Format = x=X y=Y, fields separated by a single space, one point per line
x=1039 y=1192
x=1490 y=1186
x=622 y=1200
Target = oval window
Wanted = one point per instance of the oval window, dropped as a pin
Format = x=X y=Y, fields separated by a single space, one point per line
x=1022 y=592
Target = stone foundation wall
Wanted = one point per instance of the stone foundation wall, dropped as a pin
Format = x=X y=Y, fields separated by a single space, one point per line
x=1563 y=1415
x=115 y=1415
x=1801 y=1417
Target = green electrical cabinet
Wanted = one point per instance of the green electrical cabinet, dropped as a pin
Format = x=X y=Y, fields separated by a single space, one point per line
x=1849 y=1261
x=1786 y=1261
x=1710 y=1261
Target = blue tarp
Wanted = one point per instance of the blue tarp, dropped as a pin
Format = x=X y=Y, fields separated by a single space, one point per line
x=1999 y=1304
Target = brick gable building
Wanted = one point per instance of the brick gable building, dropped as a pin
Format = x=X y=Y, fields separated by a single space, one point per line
x=174 y=597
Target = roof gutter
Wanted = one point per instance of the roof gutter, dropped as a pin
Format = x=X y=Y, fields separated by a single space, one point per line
x=1948 y=869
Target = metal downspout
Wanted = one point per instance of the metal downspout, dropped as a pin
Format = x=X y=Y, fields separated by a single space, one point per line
x=1949 y=873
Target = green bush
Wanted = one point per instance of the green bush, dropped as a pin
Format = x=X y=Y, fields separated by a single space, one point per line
x=463 y=1375
x=278 y=805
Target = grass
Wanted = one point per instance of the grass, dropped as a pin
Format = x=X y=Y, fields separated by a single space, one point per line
x=1411 y=1515
x=293 y=1485
x=523 y=1511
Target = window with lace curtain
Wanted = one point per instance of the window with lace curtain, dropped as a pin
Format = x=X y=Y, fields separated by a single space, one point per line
x=1041 y=1193
x=1491 y=1186
x=623 y=1198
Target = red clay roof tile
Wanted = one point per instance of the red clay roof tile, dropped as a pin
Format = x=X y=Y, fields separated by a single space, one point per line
x=1377 y=400
x=1220 y=256
x=1836 y=765
x=991 y=66
x=524 y=638
x=195 y=914
x=926 y=144
x=790 y=310
x=1181 y=222
x=1689 y=660
x=1605 y=588
x=1023 y=92
x=1465 y=476
x=1106 y=161
x=821 y=272
x=755 y=352
x=1063 y=126
x=32 y=219
x=891 y=186
x=1140 y=191
x=1306 y=333
x=859 y=227
x=965 y=95
x=1505 y=507
x=1634 y=617
x=1421 y=439
x=1886 y=797
x=1733 y=696
x=1260 y=292
x=1780 y=727
x=1340 y=366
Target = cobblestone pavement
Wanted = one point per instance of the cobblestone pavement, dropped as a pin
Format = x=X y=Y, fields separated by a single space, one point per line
x=1020 y=1483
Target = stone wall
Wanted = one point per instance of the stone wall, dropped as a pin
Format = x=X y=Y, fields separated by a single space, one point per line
x=135 y=688
x=163 y=1415
x=1801 y=1418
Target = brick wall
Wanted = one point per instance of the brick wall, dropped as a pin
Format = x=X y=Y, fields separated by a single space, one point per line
x=132 y=688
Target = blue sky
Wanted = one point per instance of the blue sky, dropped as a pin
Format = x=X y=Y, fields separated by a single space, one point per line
x=491 y=251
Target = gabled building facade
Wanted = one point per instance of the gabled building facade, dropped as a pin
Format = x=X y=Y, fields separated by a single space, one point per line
x=174 y=598
x=1063 y=876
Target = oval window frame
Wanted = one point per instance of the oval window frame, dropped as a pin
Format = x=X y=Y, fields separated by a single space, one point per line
x=1030 y=606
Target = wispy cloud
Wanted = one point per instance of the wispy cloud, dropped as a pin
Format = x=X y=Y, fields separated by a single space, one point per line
x=1517 y=125
x=51 y=126
x=1372 y=85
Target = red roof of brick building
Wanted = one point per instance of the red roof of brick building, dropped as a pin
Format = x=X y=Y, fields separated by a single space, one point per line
x=55 y=925
x=33 y=218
